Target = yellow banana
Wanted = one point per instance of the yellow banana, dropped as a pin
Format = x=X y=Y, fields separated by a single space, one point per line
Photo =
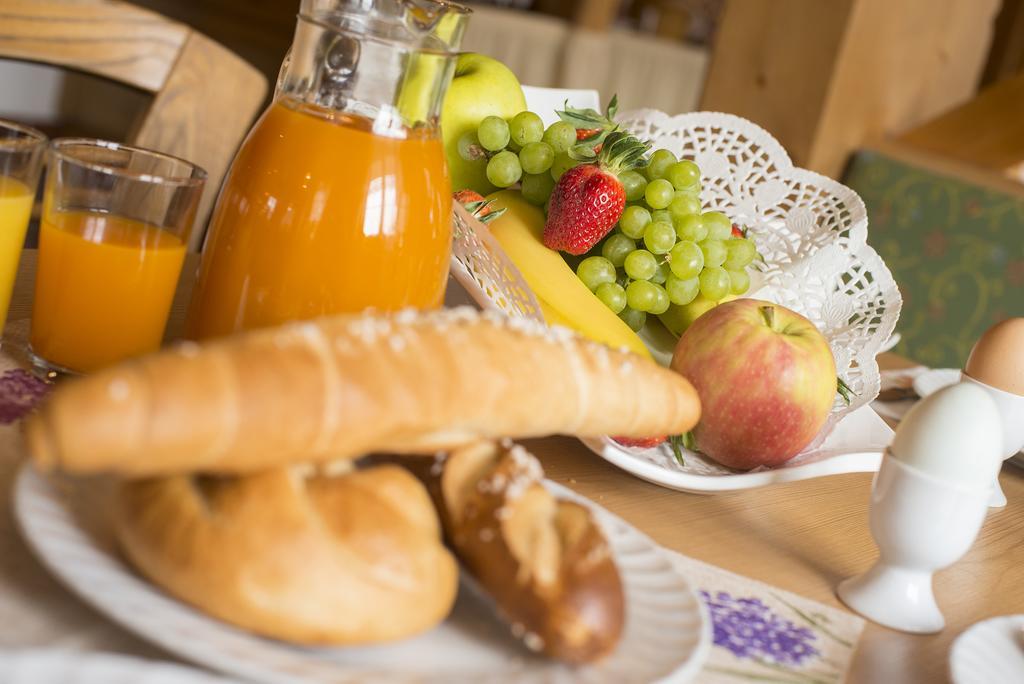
x=552 y=316
x=564 y=299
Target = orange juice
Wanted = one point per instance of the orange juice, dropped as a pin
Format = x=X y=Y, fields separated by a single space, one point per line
x=321 y=215
x=15 y=210
x=104 y=286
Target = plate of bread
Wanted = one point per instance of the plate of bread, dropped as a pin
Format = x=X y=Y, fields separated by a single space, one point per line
x=340 y=500
x=61 y=666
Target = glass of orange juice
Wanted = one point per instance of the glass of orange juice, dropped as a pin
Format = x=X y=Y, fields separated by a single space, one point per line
x=21 y=156
x=112 y=240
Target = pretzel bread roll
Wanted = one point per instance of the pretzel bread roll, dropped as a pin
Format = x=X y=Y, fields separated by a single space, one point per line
x=543 y=560
x=344 y=386
x=350 y=559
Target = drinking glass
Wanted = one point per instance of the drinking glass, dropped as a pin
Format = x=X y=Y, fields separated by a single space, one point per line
x=112 y=240
x=21 y=156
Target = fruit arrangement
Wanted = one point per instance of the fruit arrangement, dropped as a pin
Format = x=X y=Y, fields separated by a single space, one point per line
x=634 y=216
x=613 y=240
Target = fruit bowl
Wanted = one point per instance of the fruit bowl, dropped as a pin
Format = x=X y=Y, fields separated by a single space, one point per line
x=812 y=233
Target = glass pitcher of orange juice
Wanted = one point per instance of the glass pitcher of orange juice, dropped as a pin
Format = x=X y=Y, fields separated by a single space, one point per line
x=339 y=198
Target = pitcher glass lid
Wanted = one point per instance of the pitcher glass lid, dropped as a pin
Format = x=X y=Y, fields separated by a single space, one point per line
x=420 y=25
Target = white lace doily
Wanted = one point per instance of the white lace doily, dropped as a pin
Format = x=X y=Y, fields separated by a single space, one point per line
x=811 y=230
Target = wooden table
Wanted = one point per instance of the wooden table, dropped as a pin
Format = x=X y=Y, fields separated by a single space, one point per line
x=803 y=536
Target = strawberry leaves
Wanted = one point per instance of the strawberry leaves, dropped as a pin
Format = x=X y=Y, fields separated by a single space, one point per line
x=590 y=119
x=482 y=209
x=592 y=128
x=622 y=152
x=680 y=442
x=844 y=391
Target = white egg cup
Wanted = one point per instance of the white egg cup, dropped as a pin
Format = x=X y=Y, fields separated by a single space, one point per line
x=1011 y=412
x=921 y=524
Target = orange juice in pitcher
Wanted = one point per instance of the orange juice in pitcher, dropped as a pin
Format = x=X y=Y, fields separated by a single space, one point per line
x=339 y=199
x=353 y=220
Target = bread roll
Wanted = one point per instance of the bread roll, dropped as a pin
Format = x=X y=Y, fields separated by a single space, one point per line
x=543 y=560
x=351 y=559
x=344 y=386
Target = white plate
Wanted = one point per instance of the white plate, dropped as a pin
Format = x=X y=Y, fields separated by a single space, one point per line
x=666 y=637
x=701 y=475
x=990 y=652
x=64 y=667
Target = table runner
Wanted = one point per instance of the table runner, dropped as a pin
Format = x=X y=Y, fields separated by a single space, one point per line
x=760 y=633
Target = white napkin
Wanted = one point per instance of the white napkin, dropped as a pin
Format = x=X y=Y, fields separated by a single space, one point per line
x=546 y=101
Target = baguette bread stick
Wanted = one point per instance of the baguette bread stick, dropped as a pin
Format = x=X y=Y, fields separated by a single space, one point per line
x=314 y=559
x=344 y=386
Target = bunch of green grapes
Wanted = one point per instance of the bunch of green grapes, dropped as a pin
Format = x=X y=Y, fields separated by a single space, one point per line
x=520 y=150
x=666 y=249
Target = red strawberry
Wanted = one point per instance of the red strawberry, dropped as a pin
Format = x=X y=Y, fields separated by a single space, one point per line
x=476 y=205
x=738 y=232
x=640 y=443
x=585 y=133
x=588 y=199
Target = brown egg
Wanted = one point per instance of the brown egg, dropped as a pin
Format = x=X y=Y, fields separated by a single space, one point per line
x=998 y=357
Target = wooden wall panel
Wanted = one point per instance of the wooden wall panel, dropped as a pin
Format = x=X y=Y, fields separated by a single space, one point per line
x=825 y=77
x=773 y=61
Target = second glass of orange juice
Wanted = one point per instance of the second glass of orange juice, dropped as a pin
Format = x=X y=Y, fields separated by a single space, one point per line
x=112 y=242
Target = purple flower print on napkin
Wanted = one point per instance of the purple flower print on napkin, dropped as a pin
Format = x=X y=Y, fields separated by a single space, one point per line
x=20 y=391
x=749 y=629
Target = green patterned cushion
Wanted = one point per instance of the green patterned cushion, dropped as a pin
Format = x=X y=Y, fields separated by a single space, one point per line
x=955 y=248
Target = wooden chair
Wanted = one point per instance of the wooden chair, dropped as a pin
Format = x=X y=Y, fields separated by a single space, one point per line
x=204 y=96
x=987 y=131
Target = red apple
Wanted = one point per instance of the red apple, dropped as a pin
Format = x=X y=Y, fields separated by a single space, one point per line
x=766 y=380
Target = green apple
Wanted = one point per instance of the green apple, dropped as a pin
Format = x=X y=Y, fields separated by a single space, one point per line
x=481 y=87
